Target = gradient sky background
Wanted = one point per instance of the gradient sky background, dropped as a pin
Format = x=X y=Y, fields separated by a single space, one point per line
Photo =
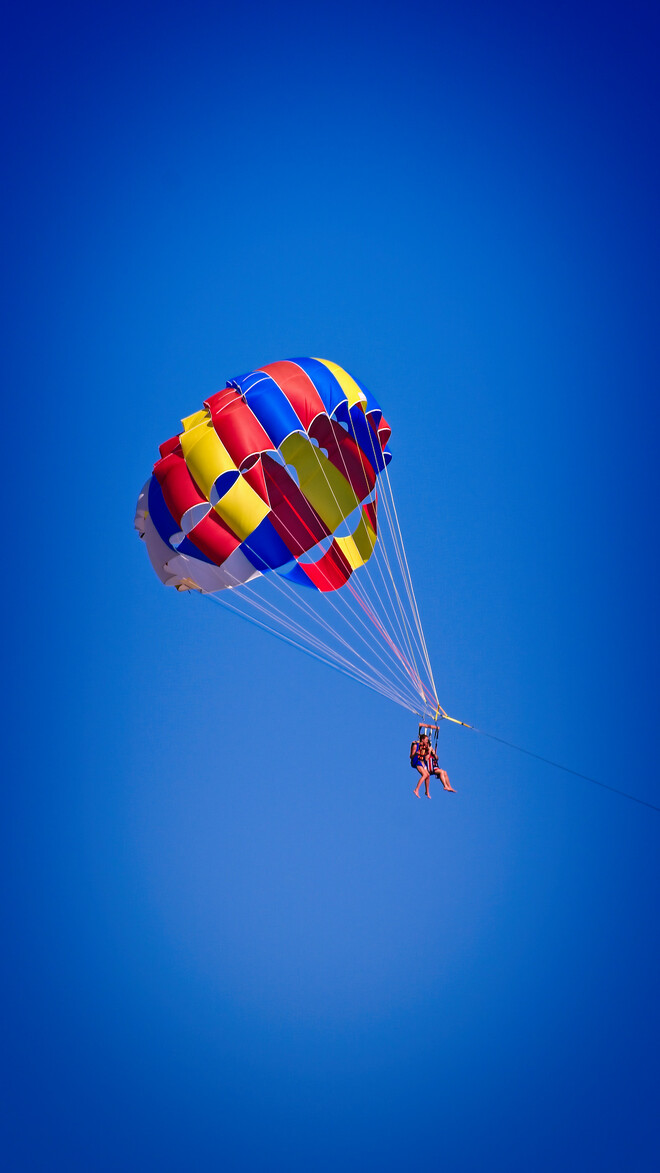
x=217 y=959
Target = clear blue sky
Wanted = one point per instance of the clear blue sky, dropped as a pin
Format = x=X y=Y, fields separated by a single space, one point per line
x=233 y=939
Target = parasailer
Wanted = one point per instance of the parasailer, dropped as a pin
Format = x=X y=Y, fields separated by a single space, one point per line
x=433 y=765
x=418 y=761
x=424 y=759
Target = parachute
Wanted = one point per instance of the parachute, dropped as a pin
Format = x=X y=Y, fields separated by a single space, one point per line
x=275 y=502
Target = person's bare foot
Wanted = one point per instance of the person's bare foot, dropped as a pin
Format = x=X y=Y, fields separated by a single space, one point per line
x=427 y=795
x=450 y=788
x=416 y=793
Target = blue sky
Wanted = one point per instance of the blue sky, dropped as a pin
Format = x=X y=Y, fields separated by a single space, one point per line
x=234 y=940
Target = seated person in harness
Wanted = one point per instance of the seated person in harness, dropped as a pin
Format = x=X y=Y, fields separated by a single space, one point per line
x=433 y=767
x=419 y=752
x=424 y=759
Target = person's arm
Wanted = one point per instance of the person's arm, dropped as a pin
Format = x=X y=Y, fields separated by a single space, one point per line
x=413 y=748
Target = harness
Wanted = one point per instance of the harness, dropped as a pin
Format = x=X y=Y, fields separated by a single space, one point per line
x=420 y=751
x=432 y=734
x=426 y=753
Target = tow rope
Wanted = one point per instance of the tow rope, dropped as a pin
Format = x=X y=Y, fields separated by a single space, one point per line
x=442 y=716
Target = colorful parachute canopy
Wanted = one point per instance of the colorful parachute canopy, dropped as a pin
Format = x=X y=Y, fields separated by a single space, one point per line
x=281 y=482
x=277 y=472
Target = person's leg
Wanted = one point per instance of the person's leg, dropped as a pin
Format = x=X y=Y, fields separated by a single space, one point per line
x=423 y=777
x=444 y=778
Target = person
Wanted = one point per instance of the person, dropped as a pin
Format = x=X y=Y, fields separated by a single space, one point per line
x=424 y=759
x=433 y=768
x=419 y=751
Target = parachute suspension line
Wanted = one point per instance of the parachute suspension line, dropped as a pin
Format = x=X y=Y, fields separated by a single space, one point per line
x=395 y=666
x=375 y=649
x=398 y=612
x=390 y=510
x=396 y=609
x=301 y=605
x=332 y=492
x=306 y=636
x=357 y=578
x=304 y=633
x=379 y=616
x=293 y=597
x=405 y=572
x=387 y=497
x=331 y=661
x=326 y=653
x=358 y=588
x=325 y=600
x=397 y=541
x=392 y=667
x=327 y=596
x=411 y=671
x=414 y=637
x=275 y=615
x=380 y=546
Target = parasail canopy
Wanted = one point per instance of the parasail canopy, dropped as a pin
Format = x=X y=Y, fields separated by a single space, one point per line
x=275 y=501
